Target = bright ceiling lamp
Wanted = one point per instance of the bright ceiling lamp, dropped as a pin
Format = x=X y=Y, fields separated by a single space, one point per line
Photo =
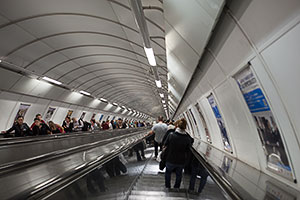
x=161 y=95
x=51 y=80
x=150 y=55
x=158 y=83
x=115 y=104
x=123 y=107
x=84 y=92
x=0 y=61
x=163 y=101
x=101 y=99
x=164 y=105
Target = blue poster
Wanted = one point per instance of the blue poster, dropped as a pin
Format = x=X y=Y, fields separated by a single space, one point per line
x=269 y=133
x=220 y=122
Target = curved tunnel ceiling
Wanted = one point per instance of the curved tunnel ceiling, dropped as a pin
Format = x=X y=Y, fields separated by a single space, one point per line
x=93 y=46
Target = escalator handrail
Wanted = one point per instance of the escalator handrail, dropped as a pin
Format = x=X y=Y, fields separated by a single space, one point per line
x=30 y=139
x=53 y=186
x=219 y=180
x=17 y=165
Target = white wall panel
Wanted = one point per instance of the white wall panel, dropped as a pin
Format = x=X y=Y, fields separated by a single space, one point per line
x=241 y=135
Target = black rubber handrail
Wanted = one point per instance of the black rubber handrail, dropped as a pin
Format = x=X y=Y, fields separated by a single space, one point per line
x=218 y=179
x=30 y=139
x=20 y=164
x=58 y=183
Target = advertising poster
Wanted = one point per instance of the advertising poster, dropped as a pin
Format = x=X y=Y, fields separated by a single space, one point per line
x=93 y=116
x=49 y=114
x=190 y=122
x=195 y=122
x=82 y=115
x=266 y=125
x=203 y=122
x=101 y=117
x=22 y=110
x=70 y=112
x=220 y=121
x=107 y=118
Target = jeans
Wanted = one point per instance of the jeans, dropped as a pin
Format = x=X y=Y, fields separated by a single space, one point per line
x=178 y=169
x=156 y=144
x=198 y=171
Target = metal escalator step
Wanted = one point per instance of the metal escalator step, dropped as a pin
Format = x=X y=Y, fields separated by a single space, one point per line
x=158 y=193
x=144 y=197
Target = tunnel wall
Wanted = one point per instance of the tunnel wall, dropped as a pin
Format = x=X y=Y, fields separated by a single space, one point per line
x=265 y=34
x=16 y=89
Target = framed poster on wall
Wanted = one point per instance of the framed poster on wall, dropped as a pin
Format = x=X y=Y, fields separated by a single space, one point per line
x=195 y=122
x=220 y=121
x=69 y=113
x=267 y=127
x=49 y=113
x=22 y=110
x=204 y=124
x=82 y=116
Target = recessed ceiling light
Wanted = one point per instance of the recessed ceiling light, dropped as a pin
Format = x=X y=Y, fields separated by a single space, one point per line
x=84 y=92
x=51 y=80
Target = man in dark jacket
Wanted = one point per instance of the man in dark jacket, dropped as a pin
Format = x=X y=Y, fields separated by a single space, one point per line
x=21 y=129
x=40 y=128
x=178 y=147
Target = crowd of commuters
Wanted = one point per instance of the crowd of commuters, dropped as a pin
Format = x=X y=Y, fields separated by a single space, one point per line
x=40 y=127
x=176 y=156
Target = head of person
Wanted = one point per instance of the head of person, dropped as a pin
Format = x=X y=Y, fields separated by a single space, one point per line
x=37 y=121
x=20 y=120
x=120 y=121
x=74 y=119
x=93 y=121
x=52 y=125
x=182 y=124
x=160 y=119
x=67 y=119
x=38 y=116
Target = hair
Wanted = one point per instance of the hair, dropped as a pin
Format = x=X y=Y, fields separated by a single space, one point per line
x=52 y=125
x=37 y=115
x=67 y=117
x=20 y=116
x=160 y=118
x=36 y=119
x=182 y=124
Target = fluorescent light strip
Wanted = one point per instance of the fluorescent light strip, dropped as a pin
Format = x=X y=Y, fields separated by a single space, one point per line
x=158 y=83
x=163 y=101
x=115 y=104
x=161 y=95
x=51 y=80
x=84 y=92
x=101 y=99
x=150 y=55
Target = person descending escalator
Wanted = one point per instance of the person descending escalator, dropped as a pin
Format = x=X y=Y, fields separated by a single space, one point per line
x=55 y=128
x=197 y=169
x=20 y=128
x=159 y=130
x=178 y=148
x=39 y=116
x=68 y=125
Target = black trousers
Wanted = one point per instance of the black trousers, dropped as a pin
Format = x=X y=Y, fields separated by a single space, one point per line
x=156 y=144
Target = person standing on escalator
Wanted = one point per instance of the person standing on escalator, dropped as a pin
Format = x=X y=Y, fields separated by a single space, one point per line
x=178 y=148
x=20 y=128
x=159 y=130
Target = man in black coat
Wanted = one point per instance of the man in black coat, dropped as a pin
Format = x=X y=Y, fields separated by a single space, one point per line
x=20 y=128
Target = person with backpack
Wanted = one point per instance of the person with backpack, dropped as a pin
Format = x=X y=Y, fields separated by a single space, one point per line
x=178 y=148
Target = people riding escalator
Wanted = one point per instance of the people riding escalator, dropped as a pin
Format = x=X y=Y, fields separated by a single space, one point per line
x=40 y=128
x=177 y=152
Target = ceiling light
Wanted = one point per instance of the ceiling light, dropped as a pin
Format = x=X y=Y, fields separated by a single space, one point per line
x=161 y=95
x=150 y=55
x=163 y=101
x=84 y=92
x=0 y=61
x=115 y=104
x=158 y=83
x=101 y=99
x=124 y=107
x=51 y=80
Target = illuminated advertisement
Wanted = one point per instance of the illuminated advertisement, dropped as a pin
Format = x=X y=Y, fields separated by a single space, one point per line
x=266 y=125
x=49 y=114
x=220 y=121
x=22 y=110
x=204 y=124
x=194 y=120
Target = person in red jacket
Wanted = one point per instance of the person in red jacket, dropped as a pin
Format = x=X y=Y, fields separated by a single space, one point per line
x=39 y=116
